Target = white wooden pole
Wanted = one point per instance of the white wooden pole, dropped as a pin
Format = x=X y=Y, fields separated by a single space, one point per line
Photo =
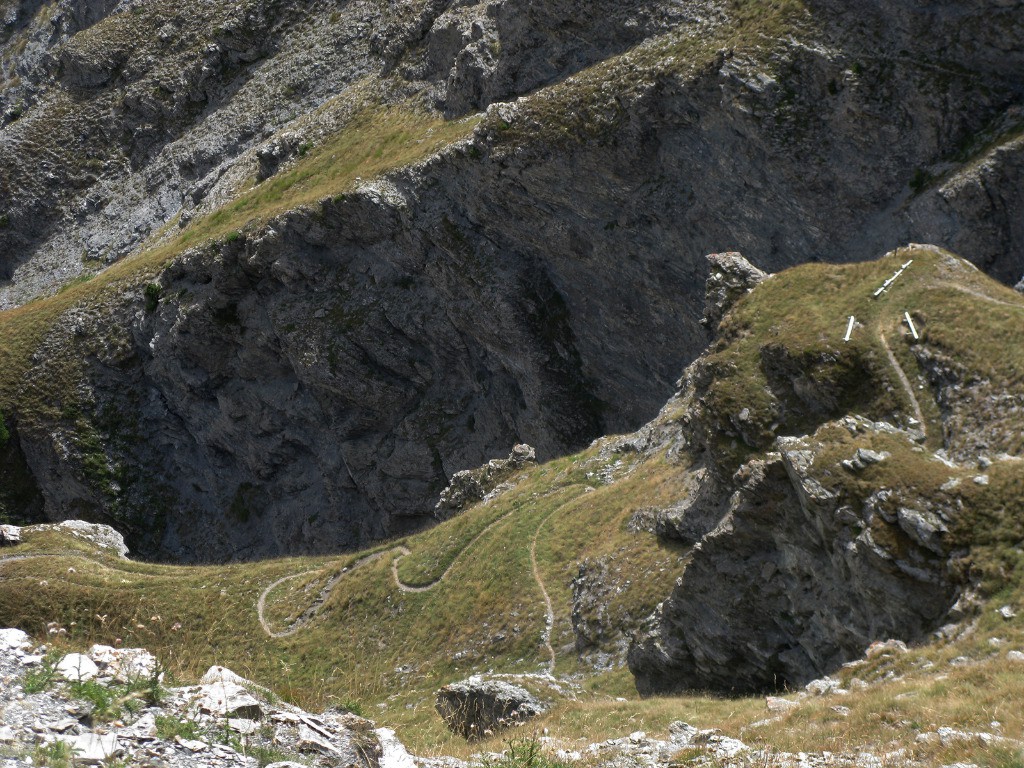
x=892 y=279
x=910 y=323
x=849 y=329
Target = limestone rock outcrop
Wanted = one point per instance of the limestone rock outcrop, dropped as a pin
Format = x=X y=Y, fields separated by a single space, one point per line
x=230 y=717
x=815 y=531
x=792 y=582
x=731 y=277
x=471 y=485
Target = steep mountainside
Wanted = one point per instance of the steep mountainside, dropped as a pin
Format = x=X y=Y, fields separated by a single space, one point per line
x=801 y=511
x=358 y=247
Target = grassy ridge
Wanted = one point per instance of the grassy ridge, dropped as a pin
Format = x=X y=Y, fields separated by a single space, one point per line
x=800 y=322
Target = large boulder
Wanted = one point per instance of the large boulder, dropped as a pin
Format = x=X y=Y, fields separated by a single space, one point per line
x=479 y=707
x=10 y=535
x=102 y=536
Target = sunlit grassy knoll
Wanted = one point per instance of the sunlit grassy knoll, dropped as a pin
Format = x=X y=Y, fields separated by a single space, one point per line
x=801 y=316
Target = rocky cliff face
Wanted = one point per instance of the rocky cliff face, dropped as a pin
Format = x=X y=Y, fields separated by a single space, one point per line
x=313 y=381
x=794 y=580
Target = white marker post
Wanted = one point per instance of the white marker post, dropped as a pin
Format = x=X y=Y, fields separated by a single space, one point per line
x=892 y=279
x=910 y=323
x=849 y=330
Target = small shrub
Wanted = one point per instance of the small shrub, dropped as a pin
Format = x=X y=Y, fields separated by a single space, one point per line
x=57 y=754
x=920 y=180
x=5 y=434
x=109 y=702
x=38 y=680
x=152 y=690
x=103 y=699
x=266 y=755
x=232 y=237
x=354 y=707
x=523 y=753
x=168 y=726
x=152 y=296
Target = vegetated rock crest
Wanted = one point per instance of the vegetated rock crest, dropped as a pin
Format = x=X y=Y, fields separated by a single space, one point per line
x=312 y=381
x=816 y=531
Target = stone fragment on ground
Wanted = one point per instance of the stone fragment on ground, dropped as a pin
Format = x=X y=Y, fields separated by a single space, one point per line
x=77 y=667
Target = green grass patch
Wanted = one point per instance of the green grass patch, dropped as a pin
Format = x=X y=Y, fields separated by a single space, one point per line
x=168 y=727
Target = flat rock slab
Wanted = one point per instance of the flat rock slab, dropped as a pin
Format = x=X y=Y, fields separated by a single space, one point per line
x=229 y=700
x=124 y=664
x=77 y=667
x=91 y=748
x=393 y=752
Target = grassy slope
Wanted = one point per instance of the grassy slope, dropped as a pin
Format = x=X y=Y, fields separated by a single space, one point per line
x=389 y=650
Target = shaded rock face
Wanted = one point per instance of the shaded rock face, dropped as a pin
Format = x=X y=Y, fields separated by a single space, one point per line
x=489 y=52
x=315 y=384
x=790 y=584
x=591 y=589
x=20 y=498
x=478 y=707
x=269 y=420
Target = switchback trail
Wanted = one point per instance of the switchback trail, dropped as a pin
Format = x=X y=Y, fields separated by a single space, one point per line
x=404 y=552
x=401 y=551
x=549 y=616
x=314 y=607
